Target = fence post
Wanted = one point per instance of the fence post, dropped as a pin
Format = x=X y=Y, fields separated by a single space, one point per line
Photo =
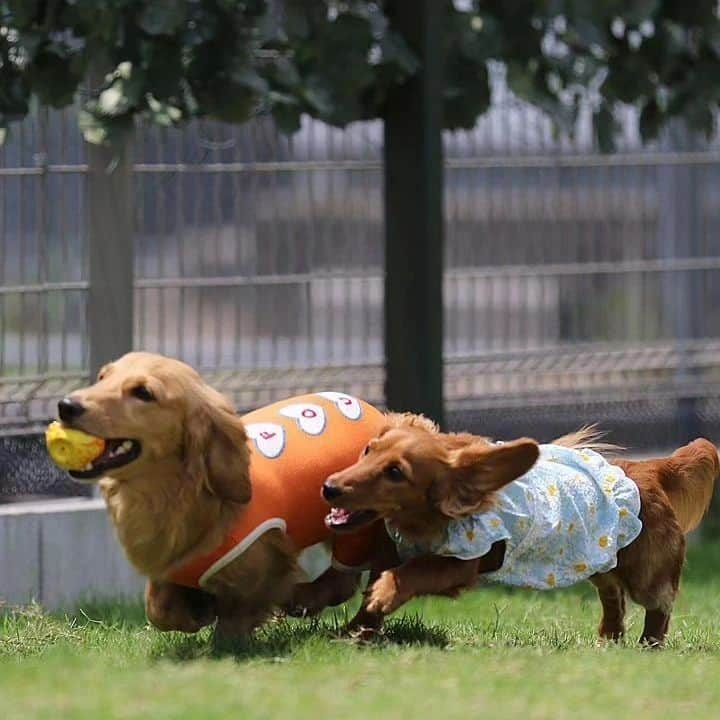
x=679 y=228
x=111 y=221
x=414 y=218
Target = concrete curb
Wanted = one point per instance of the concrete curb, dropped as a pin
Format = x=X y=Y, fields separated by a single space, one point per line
x=59 y=552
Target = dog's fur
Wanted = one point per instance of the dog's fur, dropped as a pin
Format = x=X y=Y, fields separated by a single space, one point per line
x=420 y=479
x=178 y=499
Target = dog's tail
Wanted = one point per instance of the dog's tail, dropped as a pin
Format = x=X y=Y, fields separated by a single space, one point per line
x=588 y=437
x=690 y=480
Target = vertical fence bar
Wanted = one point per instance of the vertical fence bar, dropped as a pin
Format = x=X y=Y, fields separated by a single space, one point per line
x=414 y=219
x=110 y=293
x=110 y=228
x=42 y=232
x=678 y=228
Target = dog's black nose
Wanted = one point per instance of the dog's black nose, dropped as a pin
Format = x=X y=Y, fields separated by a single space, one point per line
x=70 y=409
x=331 y=491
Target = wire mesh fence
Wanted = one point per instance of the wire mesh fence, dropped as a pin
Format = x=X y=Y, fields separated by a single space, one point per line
x=578 y=286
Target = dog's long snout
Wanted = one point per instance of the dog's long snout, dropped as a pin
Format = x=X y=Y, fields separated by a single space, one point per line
x=330 y=491
x=70 y=409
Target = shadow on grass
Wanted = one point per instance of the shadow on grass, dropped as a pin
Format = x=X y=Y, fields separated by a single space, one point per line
x=281 y=638
x=412 y=630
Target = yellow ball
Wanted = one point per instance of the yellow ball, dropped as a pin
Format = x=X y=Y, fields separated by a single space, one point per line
x=72 y=449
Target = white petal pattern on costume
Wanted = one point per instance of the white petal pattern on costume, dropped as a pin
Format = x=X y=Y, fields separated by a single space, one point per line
x=310 y=417
x=269 y=438
x=349 y=406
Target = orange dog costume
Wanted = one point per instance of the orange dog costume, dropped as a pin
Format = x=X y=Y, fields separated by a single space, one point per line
x=295 y=445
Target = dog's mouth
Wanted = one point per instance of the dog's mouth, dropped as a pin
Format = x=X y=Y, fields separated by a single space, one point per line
x=341 y=520
x=118 y=453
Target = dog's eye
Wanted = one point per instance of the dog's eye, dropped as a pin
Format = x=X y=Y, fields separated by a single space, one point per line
x=394 y=473
x=141 y=392
x=366 y=450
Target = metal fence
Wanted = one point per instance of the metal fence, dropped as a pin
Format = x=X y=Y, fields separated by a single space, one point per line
x=577 y=284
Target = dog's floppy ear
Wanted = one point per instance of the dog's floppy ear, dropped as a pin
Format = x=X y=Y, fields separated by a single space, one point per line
x=216 y=448
x=475 y=472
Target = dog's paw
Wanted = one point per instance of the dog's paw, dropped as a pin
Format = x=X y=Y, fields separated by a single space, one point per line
x=384 y=596
x=363 y=635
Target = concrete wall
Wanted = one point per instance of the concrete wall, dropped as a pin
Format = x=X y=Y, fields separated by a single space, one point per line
x=59 y=552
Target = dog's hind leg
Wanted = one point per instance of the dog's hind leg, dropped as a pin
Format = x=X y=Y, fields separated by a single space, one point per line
x=654 y=584
x=655 y=627
x=173 y=607
x=612 y=598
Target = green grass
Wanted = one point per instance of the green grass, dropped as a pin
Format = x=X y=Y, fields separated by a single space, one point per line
x=494 y=654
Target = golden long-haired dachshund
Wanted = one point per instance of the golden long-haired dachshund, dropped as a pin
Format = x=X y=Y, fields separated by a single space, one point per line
x=223 y=515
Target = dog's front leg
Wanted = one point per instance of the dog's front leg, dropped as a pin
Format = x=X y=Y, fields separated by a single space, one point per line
x=173 y=607
x=426 y=575
x=332 y=588
x=429 y=575
x=365 y=624
x=389 y=589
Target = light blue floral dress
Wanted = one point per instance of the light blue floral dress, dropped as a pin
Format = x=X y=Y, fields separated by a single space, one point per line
x=562 y=521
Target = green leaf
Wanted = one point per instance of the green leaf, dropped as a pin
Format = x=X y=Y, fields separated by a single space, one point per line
x=246 y=76
x=123 y=93
x=14 y=94
x=396 y=51
x=162 y=62
x=651 y=120
x=32 y=41
x=285 y=74
x=104 y=130
x=163 y=114
x=701 y=118
x=605 y=129
x=635 y=11
x=23 y=13
x=467 y=94
x=287 y=117
x=162 y=17
x=92 y=129
x=53 y=79
x=297 y=19
x=629 y=79
x=318 y=96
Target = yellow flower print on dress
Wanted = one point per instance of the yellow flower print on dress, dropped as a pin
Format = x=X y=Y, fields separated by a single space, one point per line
x=603 y=541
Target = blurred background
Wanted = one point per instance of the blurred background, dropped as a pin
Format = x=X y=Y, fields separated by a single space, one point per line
x=579 y=287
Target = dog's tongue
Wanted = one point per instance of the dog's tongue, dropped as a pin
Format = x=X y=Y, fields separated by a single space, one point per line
x=338 y=516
